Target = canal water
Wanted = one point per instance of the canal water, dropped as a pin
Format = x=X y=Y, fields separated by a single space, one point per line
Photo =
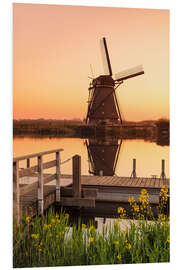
x=110 y=156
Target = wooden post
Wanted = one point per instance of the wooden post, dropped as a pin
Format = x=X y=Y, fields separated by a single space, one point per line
x=40 y=186
x=101 y=173
x=163 y=175
x=16 y=190
x=28 y=163
x=134 y=169
x=76 y=185
x=58 y=177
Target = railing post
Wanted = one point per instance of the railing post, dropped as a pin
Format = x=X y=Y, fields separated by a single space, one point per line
x=58 y=173
x=28 y=163
x=76 y=185
x=133 y=174
x=16 y=190
x=163 y=175
x=40 y=186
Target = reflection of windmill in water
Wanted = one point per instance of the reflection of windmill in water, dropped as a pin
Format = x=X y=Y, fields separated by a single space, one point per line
x=103 y=155
x=103 y=105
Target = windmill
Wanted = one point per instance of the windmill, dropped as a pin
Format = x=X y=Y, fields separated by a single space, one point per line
x=103 y=105
x=103 y=154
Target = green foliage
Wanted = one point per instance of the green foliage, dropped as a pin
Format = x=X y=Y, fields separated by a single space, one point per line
x=51 y=241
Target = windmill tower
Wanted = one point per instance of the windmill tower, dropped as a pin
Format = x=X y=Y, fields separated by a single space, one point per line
x=103 y=105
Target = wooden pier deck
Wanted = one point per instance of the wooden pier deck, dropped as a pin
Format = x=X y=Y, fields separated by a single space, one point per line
x=41 y=190
x=104 y=188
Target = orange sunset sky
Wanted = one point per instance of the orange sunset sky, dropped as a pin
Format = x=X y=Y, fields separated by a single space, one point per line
x=54 y=45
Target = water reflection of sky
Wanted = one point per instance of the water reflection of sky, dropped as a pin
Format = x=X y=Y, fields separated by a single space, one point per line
x=148 y=155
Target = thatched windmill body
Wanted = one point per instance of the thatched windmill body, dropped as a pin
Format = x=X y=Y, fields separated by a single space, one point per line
x=103 y=105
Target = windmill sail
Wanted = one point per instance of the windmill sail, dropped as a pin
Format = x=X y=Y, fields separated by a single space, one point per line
x=105 y=57
x=129 y=73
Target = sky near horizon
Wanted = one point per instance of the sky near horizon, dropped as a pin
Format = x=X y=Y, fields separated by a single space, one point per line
x=54 y=45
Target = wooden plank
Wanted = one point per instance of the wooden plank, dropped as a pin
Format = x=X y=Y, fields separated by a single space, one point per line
x=148 y=182
x=114 y=181
x=49 y=178
x=27 y=188
x=122 y=181
x=49 y=164
x=28 y=171
x=130 y=182
x=29 y=202
x=143 y=182
x=16 y=190
x=153 y=182
x=76 y=186
x=108 y=181
x=157 y=183
x=89 y=193
x=58 y=173
x=135 y=182
x=37 y=154
x=40 y=185
x=80 y=202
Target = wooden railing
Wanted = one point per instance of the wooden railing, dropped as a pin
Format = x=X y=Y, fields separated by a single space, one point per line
x=41 y=180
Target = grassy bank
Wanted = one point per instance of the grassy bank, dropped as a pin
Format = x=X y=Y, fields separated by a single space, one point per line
x=52 y=241
x=63 y=128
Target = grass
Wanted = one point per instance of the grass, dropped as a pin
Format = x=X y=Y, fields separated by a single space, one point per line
x=51 y=241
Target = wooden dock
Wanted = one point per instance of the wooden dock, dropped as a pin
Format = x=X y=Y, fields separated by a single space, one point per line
x=41 y=190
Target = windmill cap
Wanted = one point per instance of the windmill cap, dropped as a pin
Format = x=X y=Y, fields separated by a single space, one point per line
x=104 y=80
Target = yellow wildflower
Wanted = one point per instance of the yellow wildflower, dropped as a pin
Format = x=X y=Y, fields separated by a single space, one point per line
x=49 y=226
x=83 y=226
x=58 y=221
x=28 y=219
x=131 y=200
x=66 y=215
x=124 y=232
x=164 y=189
x=136 y=208
x=57 y=215
x=91 y=227
x=168 y=240
x=119 y=256
x=128 y=246
x=35 y=236
x=120 y=210
x=45 y=226
x=53 y=220
x=161 y=217
x=116 y=243
x=143 y=191
x=91 y=239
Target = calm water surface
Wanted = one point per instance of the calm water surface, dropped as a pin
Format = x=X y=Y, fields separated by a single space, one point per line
x=112 y=156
